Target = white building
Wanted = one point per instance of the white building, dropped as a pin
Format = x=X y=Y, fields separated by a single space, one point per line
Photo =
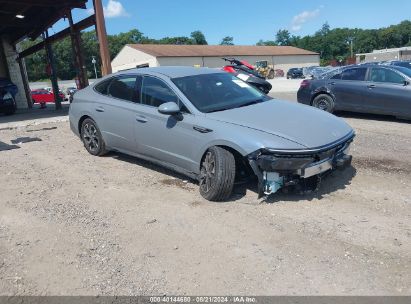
x=153 y=55
x=403 y=53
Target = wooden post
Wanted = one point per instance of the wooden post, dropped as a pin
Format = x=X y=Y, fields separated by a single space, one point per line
x=53 y=75
x=102 y=38
x=78 y=54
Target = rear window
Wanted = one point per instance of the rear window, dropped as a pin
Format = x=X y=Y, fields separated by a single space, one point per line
x=354 y=74
x=102 y=86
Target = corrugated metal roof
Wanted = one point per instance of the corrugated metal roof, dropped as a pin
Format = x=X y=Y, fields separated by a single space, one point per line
x=166 y=50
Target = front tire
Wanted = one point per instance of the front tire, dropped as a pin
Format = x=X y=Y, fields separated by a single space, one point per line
x=324 y=102
x=92 y=139
x=217 y=174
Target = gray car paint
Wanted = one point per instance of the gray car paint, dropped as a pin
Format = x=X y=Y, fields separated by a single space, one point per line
x=175 y=143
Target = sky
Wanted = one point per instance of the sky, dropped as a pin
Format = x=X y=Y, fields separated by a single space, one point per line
x=247 y=21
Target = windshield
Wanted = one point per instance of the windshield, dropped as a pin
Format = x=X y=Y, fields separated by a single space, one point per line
x=218 y=92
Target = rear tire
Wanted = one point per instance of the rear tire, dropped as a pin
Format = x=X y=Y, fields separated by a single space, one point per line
x=12 y=110
x=91 y=138
x=217 y=174
x=324 y=102
x=271 y=74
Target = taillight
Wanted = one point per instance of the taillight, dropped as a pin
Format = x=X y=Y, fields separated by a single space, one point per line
x=305 y=83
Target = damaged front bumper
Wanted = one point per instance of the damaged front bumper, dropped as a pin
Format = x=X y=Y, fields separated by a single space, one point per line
x=301 y=169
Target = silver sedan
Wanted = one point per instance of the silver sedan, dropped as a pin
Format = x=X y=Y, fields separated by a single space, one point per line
x=210 y=126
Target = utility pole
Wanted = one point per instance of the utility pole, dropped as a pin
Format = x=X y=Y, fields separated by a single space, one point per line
x=350 y=41
x=102 y=38
x=93 y=61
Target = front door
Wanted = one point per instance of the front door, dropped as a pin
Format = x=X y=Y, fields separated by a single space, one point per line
x=167 y=138
x=388 y=92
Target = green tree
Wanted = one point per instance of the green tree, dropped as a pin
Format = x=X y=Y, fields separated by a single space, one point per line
x=325 y=30
x=266 y=43
x=283 y=37
x=228 y=40
x=198 y=38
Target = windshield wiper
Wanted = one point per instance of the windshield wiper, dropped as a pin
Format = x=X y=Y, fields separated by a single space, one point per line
x=250 y=103
x=239 y=106
x=221 y=109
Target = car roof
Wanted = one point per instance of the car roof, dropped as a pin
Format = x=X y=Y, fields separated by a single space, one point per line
x=173 y=71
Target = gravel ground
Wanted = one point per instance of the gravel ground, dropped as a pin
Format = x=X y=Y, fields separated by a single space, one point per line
x=73 y=224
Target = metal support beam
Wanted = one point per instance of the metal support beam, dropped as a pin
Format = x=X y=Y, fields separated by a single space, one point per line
x=47 y=3
x=53 y=77
x=102 y=38
x=83 y=24
x=77 y=53
x=23 y=73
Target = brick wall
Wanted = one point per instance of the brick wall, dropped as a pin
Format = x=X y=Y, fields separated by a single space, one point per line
x=14 y=72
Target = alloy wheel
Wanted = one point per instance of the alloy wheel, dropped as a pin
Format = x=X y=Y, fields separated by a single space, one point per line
x=90 y=137
x=207 y=173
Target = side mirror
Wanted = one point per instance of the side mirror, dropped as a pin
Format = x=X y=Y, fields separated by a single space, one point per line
x=169 y=108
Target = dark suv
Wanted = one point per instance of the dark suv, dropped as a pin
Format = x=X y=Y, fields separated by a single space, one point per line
x=295 y=73
x=8 y=91
x=374 y=89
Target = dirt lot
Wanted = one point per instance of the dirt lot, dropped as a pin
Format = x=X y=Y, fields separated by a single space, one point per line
x=73 y=224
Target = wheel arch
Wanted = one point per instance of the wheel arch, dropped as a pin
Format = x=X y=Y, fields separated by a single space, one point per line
x=80 y=121
x=238 y=153
x=323 y=91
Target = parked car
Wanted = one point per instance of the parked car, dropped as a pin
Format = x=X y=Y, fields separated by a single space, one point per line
x=315 y=72
x=69 y=93
x=295 y=73
x=8 y=91
x=278 y=73
x=43 y=96
x=402 y=63
x=211 y=126
x=377 y=89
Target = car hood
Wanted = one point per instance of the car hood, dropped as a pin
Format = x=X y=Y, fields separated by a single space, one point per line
x=301 y=124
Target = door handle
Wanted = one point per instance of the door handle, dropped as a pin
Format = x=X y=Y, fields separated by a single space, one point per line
x=371 y=86
x=100 y=109
x=141 y=119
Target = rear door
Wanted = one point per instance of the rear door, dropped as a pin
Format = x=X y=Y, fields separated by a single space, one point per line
x=349 y=88
x=115 y=110
x=387 y=92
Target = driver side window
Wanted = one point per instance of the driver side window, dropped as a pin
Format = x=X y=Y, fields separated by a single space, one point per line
x=155 y=92
x=385 y=75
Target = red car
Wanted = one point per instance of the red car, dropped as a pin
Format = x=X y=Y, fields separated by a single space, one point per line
x=44 y=96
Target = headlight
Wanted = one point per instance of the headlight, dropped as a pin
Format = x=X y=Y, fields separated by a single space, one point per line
x=7 y=96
